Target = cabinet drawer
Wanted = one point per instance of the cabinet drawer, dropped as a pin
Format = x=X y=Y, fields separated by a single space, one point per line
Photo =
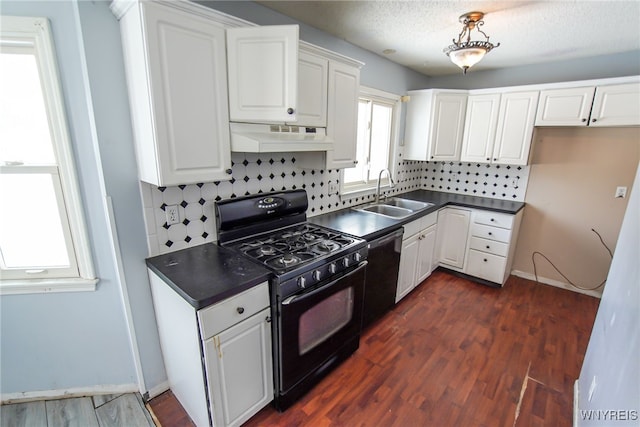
x=489 y=246
x=486 y=266
x=428 y=220
x=221 y=316
x=412 y=228
x=492 y=233
x=494 y=219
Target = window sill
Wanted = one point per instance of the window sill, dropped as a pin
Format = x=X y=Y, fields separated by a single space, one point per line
x=45 y=286
x=363 y=191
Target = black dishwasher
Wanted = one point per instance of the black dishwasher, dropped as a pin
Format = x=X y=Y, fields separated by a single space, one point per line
x=382 y=276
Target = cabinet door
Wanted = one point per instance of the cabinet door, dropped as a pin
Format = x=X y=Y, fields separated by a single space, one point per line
x=427 y=243
x=480 y=128
x=453 y=230
x=416 y=134
x=312 y=90
x=447 y=125
x=263 y=73
x=342 y=115
x=187 y=83
x=565 y=107
x=616 y=105
x=408 y=263
x=515 y=127
x=239 y=370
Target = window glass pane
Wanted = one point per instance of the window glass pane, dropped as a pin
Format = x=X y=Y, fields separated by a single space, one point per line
x=31 y=233
x=380 y=136
x=358 y=173
x=24 y=127
x=324 y=319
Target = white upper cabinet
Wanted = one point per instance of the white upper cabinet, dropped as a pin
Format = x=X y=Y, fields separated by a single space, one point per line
x=342 y=114
x=515 y=127
x=177 y=79
x=499 y=127
x=480 y=128
x=263 y=73
x=616 y=105
x=313 y=75
x=434 y=125
x=608 y=105
x=565 y=107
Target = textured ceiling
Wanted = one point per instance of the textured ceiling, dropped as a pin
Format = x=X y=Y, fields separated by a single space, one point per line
x=528 y=31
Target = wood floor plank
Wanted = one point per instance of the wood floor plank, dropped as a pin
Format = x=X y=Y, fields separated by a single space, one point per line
x=23 y=414
x=73 y=412
x=122 y=411
x=455 y=353
x=101 y=399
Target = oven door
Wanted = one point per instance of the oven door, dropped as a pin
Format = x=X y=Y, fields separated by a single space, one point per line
x=315 y=325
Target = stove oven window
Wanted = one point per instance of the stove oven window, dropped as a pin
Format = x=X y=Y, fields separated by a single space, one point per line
x=325 y=319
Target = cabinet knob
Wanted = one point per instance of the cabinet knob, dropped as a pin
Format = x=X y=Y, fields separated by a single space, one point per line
x=594 y=120
x=485 y=260
x=495 y=159
x=240 y=310
x=228 y=171
x=290 y=110
x=268 y=319
x=584 y=120
x=355 y=162
x=488 y=247
x=492 y=220
x=490 y=233
x=488 y=159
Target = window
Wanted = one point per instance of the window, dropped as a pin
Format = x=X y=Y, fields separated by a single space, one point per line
x=377 y=113
x=43 y=244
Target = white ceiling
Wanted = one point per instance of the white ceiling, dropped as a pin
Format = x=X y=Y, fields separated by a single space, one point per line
x=528 y=31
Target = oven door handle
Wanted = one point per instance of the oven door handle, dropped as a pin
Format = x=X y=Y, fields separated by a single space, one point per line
x=304 y=296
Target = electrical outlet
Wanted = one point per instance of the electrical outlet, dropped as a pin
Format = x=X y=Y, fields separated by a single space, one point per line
x=173 y=217
x=333 y=188
x=621 y=192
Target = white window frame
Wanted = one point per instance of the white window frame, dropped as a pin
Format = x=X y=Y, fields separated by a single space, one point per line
x=348 y=191
x=35 y=33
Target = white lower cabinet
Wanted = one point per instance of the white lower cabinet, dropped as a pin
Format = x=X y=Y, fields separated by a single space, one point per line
x=417 y=255
x=453 y=232
x=234 y=380
x=239 y=373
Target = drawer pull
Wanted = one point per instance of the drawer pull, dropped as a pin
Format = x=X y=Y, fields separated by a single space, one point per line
x=490 y=233
x=485 y=260
x=492 y=220
x=488 y=247
x=240 y=310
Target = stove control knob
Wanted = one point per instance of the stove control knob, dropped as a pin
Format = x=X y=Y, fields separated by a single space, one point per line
x=345 y=262
x=302 y=282
x=333 y=268
x=316 y=275
x=357 y=257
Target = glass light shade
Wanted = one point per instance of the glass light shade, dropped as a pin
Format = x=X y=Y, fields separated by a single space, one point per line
x=468 y=57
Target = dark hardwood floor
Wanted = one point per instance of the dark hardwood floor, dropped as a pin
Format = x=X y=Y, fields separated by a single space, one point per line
x=452 y=353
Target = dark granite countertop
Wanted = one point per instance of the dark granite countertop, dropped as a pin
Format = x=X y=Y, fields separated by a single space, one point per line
x=208 y=273
x=370 y=226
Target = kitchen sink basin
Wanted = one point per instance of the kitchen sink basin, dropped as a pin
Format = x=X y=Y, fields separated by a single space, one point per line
x=386 y=210
x=412 y=205
x=394 y=207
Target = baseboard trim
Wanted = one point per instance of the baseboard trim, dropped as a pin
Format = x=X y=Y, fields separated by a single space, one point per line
x=158 y=390
x=29 y=396
x=575 y=403
x=556 y=283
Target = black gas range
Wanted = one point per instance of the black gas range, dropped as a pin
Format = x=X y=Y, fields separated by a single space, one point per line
x=317 y=286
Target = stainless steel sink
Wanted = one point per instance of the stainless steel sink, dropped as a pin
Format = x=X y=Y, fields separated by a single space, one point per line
x=394 y=207
x=386 y=210
x=413 y=205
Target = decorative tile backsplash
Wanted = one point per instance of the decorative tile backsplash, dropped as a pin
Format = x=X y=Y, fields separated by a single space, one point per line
x=261 y=173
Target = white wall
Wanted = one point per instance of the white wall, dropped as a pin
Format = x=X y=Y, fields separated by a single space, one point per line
x=613 y=353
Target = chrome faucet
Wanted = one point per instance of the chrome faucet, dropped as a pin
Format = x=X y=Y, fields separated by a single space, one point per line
x=391 y=183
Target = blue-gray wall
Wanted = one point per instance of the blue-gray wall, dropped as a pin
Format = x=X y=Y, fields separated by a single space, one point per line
x=74 y=340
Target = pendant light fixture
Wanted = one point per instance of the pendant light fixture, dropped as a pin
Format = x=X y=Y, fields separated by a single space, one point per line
x=464 y=52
